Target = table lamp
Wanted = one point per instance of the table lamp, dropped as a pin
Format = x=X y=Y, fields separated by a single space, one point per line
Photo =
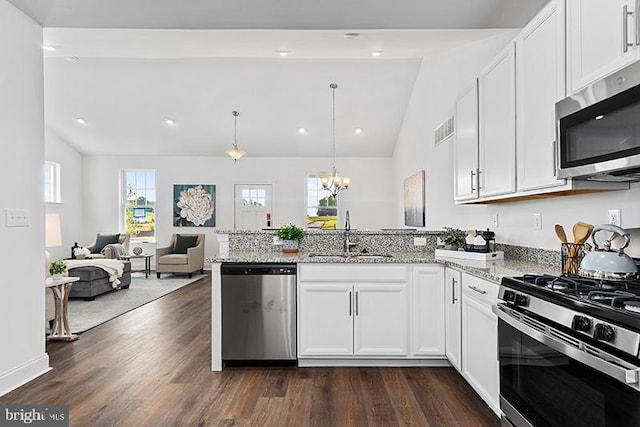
x=52 y=239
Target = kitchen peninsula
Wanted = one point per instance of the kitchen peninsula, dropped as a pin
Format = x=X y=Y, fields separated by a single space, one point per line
x=396 y=304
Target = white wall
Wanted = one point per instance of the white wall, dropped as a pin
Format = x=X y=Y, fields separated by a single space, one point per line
x=439 y=83
x=71 y=184
x=369 y=199
x=23 y=354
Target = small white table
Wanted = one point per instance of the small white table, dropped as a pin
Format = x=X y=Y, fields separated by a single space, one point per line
x=61 y=288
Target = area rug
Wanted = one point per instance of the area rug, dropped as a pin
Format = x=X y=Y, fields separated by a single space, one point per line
x=84 y=315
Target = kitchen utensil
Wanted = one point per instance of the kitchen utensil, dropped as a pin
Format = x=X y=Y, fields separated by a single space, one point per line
x=561 y=234
x=607 y=263
x=581 y=232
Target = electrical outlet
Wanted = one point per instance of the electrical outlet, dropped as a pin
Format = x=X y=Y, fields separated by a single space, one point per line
x=614 y=217
x=419 y=241
x=537 y=221
x=495 y=220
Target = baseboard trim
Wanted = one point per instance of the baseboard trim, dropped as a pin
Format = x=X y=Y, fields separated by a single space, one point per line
x=24 y=373
x=395 y=363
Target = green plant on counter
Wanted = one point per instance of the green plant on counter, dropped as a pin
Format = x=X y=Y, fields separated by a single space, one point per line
x=453 y=237
x=291 y=232
x=57 y=267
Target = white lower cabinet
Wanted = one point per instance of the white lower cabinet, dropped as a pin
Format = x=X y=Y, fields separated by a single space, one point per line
x=428 y=311
x=343 y=314
x=453 y=316
x=479 y=355
x=325 y=323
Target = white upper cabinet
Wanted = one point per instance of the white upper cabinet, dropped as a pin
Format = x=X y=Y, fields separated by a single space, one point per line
x=601 y=38
x=497 y=148
x=465 y=147
x=540 y=83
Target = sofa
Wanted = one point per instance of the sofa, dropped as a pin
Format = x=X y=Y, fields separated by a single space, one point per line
x=104 y=247
x=184 y=254
x=95 y=281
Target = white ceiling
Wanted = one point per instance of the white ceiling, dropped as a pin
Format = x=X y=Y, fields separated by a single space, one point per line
x=126 y=82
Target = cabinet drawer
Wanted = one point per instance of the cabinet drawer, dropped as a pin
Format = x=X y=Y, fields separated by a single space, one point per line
x=352 y=273
x=479 y=289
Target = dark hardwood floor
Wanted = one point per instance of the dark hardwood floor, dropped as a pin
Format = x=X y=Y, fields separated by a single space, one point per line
x=151 y=367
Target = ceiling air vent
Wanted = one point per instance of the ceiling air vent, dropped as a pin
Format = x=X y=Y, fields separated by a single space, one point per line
x=444 y=131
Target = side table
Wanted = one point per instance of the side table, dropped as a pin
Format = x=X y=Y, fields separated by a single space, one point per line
x=147 y=262
x=61 y=288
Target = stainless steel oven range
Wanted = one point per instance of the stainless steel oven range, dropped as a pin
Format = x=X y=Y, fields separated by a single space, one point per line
x=568 y=349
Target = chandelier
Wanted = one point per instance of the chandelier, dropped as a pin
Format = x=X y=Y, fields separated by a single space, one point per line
x=334 y=183
x=235 y=153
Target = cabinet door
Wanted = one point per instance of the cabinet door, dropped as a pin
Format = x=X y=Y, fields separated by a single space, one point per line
x=497 y=145
x=597 y=43
x=428 y=311
x=380 y=319
x=325 y=326
x=453 y=313
x=540 y=79
x=465 y=147
x=479 y=350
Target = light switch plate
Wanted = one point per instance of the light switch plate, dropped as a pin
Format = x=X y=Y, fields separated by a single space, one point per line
x=17 y=218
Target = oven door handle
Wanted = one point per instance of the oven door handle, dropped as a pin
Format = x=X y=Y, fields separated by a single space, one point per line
x=622 y=371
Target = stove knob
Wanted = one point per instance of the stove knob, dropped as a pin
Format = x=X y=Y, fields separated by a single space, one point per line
x=604 y=332
x=581 y=323
x=521 y=300
x=509 y=296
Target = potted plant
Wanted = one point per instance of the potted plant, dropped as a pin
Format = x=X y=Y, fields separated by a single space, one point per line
x=58 y=268
x=453 y=238
x=291 y=235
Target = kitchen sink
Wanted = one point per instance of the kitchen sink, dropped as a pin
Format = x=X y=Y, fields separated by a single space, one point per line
x=364 y=256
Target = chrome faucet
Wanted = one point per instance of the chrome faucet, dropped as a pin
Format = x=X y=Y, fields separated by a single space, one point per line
x=348 y=245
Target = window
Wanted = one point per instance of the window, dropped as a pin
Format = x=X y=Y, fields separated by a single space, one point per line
x=254 y=197
x=139 y=204
x=322 y=207
x=52 y=182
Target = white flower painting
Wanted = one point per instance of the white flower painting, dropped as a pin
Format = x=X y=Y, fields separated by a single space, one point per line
x=194 y=205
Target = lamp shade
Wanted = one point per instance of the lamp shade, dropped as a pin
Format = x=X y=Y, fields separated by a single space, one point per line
x=53 y=235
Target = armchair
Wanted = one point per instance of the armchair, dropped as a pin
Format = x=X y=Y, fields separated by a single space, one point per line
x=101 y=247
x=176 y=258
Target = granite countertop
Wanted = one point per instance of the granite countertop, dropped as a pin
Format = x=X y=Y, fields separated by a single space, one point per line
x=493 y=270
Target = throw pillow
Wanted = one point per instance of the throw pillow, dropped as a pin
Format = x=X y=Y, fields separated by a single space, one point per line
x=183 y=243
x=103 y=240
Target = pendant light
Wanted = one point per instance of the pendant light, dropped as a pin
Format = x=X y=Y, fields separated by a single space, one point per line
x=234 y=152
x=334 y=183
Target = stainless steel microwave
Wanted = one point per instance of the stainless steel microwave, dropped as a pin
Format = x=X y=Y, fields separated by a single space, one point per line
x=598 y=129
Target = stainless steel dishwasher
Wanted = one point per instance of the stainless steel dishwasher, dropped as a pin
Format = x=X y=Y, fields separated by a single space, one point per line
x=258 y=313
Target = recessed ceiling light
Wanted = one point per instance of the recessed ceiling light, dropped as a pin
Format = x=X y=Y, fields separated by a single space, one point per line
x=49 y=48
x=376 y=52
x=283 y=52
x=302 y=130
x=358 y=130
x=72 y=58
x=351 y=35
x=81 y=121
x=600 y=117
x=170 y=122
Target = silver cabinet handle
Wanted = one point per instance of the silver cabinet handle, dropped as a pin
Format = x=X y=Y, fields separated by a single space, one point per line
x=350 y=303
x=625 y=29
x=472 y=175
x=637 y=23
x=555 y=156
x=357 y=303
x=478 y=173
x=453 y=290
x=480 y=291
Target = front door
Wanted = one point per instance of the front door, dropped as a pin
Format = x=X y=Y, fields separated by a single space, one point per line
x=253 y=206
